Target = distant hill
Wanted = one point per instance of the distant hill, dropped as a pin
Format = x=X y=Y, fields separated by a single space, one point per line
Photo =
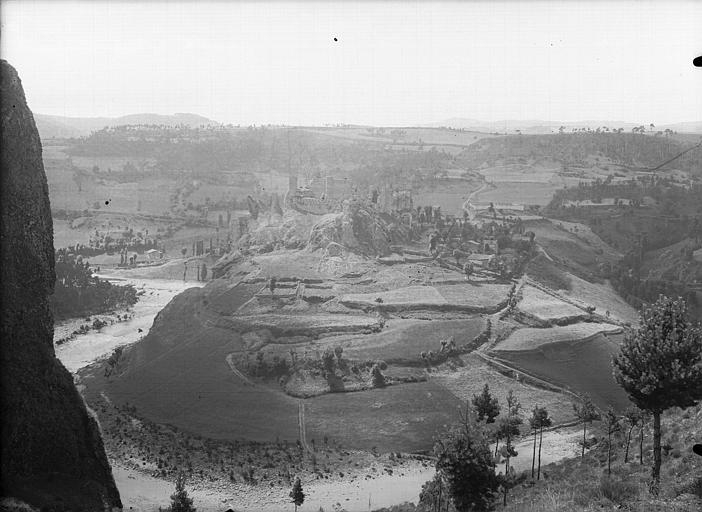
x=537 y=126
x=63 y=127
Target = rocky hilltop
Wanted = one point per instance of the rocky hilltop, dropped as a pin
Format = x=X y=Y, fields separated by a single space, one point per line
x=52 y=452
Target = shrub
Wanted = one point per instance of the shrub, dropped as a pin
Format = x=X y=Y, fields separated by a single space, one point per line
x=617 y=491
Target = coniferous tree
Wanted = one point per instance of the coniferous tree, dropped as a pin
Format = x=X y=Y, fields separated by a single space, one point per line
x=633 y=418
x=298 y=497
x=660 y=366
x=544 y=422
x=180 y=502
x=613 y=425
x=586 y=413
x=435 y=497
x=645 y=418
x=486 y=406
x=508 y=427
x=467 y=466
x=534 y=426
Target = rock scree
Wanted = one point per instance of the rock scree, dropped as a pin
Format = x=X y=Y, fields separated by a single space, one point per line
x=52 y=452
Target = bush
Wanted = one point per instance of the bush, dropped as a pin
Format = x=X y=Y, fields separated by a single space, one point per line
x=378 y=379
x=617 y=491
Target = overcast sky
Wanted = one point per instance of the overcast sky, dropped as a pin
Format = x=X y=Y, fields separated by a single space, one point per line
x=392 y=64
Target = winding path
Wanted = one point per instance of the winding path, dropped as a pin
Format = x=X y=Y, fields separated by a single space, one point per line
x=475 y=193
x=301 y=423
x=237 y=372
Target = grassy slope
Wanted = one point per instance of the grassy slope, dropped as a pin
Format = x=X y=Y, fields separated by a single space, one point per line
x=179 y=375
x=582 y=485
x=584 y=367
x=402 y=418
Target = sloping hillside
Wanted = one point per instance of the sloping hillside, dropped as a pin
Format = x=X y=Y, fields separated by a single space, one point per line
x=583 y=484
x=66 y=127
x=583 y=149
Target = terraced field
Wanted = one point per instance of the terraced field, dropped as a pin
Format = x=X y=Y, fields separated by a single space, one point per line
x=534 y=338
x=402 y=341
x=468 y=297
x=547 y=308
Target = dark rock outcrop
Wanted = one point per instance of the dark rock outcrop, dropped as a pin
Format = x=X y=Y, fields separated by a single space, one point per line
x=52 y=453
x=358 y=229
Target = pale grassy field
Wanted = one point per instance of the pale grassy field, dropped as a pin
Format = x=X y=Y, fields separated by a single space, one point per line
x=428 y=136
x=518 y=192
x=546 y=307
x=449 y=194
x=468 y=295
x=520 y=173
x=469 y=380
x=603 y=297
x=533 y=338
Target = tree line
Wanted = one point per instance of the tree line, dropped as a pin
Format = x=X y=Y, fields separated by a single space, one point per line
x=77 y=292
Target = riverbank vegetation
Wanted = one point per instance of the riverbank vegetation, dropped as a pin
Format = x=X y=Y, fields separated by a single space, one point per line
x=77 y=292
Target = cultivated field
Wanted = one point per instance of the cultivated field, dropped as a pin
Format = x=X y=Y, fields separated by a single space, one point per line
x=397 y=418
x=309 y=324
x=469 y=297
x=402 y=341
x=521 y=173
x=583 y=367
x=533 y=338
x=411 y=136
x=603 y=297
x=450 y=194
x=547 y=308
x=518 y=192
x=469 y=379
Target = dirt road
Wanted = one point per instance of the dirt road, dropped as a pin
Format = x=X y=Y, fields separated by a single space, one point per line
x=237 y=372
x=303 y=427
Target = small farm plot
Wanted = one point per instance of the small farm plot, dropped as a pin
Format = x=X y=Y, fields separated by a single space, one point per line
x=520 y=173
x=585 y=368
x=408 y=297
x=402 y=417
x=467 y=297
x=518 y=192
x=547 y=308
x=302 y=325
x=402 y=341
x=533 y=338
x=469 y=380
x=604 y=298
x=449 y=194
x=475 y=295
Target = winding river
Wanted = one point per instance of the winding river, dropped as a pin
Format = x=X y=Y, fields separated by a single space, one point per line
x=86 y=348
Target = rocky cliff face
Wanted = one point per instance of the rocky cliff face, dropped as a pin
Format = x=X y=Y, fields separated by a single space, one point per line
x=358 y=229
x=52 y=453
